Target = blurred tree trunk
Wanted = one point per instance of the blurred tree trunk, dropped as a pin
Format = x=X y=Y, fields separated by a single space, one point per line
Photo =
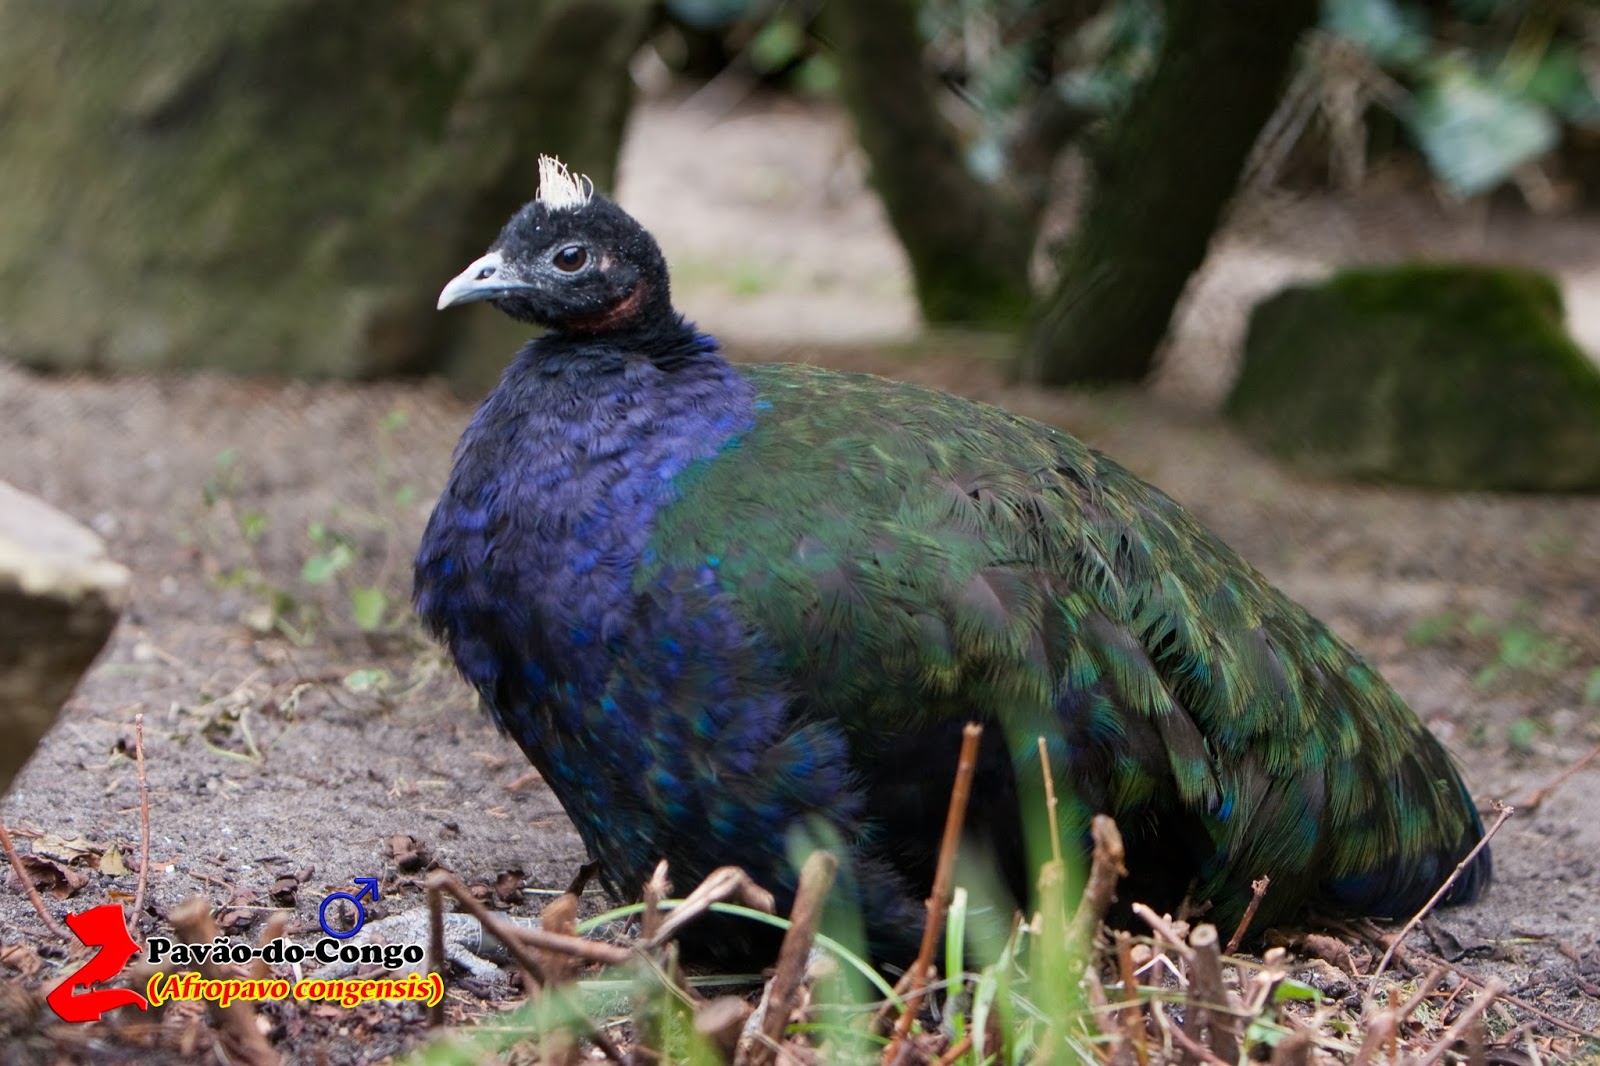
x=282 y=186
x=1169 y=170
x=968 y=250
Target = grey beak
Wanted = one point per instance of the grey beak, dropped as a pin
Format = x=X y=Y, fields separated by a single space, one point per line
x=486 y=278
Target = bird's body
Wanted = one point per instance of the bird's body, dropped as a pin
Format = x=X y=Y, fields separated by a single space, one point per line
x=717 y=606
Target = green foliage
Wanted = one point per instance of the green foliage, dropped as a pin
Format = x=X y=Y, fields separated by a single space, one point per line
x=1506 y=304
x=1009 y=62
x=1028 y=1000
x=1524 y=649
x=995 y=41
x=779 y=42
x=771 y=40
x=323 y=566
x=369 y=607
x=1386 y=31
x=1513 y=652
x=1475 y=134
x=276 y=609
x=367 y=680
x=346 y=560
x=1112 y=54
x=1030 y=995
x=1521 y=734
x=1433 y=629
x=1491 y=84
x=1482 y=88
x=751 y=279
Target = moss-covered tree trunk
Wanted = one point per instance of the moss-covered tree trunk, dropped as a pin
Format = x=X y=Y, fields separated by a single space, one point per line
x=283 y=185
x=1169 y=170
x=968 y=251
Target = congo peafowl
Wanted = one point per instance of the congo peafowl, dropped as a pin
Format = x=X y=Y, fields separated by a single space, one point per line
x=718 y=605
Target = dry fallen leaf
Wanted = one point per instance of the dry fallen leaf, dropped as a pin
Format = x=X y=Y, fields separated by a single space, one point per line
x=66 y=849
x=56 y=878
x=111 y=863
x=24 y=958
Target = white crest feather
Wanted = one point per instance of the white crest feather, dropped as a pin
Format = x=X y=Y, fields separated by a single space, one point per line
x=559 y=188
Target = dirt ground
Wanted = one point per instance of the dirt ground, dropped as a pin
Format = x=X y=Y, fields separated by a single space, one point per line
x=290 y=766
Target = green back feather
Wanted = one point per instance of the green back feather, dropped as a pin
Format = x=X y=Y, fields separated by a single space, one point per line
x=914 y=554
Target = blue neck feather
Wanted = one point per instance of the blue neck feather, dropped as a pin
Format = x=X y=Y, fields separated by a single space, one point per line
x=554 y=488
x=526 y=572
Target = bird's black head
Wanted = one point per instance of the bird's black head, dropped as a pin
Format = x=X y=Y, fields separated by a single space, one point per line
x=571 y=261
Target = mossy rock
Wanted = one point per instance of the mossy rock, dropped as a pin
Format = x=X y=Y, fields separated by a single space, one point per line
x=1454 y=376
x=282 y=186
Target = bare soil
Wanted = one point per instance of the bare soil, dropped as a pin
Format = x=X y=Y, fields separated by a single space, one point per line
x=273 y=759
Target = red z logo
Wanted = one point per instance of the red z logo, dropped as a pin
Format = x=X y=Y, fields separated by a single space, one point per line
x=100 y=927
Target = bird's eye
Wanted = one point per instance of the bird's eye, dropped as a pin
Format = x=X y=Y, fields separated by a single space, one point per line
x=571 y=258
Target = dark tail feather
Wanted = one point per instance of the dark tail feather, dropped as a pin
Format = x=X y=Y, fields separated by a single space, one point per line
x=1399 y=889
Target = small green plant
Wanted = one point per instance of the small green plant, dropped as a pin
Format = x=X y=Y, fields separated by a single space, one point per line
x=1521 y=734
x=277 y=609
x=1433 y=630
x=348 y=558
x=752 y=279
x=329 y=564
x=1509 y=649
x=1039 y=998
x=1523 y=649
x=1061 y=989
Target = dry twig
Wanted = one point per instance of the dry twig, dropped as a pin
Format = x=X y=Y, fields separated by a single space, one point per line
x=276 y=925
x=1105 y=870
x=560 y=917
x=1193 y=1050
x=144 y=828
x=518 y=940
x=1542 y=793
x=1491 y=992
x=816 y=879
x=1163 y=930
x=436 y=962
x=1274 y=968
x=1420 y=995
x=655 y=890
x=1258 y=888
x=241 y=1038
x=722 y=1021
x=1210 y=1007
x=956 y=1050
x=1294 y=1049
x=1520 y=1004
x=1106 y=1017
x=1380 y=1033
x=939 y=898
x=27 y=885
x=1504 y=813
x=721 y=885
x=1132 y=1016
